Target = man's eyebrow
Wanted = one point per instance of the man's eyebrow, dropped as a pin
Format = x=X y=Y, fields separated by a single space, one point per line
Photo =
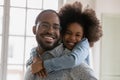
x=44 y=22
x=56 y=24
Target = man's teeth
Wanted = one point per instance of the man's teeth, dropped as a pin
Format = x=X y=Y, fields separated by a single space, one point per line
x=48 y=37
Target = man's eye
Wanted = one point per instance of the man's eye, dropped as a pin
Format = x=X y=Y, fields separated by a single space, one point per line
x=56 y=27
x=44 y=26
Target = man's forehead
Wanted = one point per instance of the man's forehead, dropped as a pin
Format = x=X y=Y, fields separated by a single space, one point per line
x=48 y=14
x=49 y=17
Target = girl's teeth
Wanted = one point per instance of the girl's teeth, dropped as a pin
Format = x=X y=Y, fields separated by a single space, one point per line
x=71 y=43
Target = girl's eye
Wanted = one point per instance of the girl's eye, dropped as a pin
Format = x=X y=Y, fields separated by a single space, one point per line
x=78 y=35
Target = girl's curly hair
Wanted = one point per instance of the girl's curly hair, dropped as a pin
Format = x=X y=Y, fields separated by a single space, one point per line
x=71 y=13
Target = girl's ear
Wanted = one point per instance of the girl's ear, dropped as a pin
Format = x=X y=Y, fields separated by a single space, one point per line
x=34 y=30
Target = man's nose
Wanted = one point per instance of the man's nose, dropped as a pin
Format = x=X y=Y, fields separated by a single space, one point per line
x=50 y=29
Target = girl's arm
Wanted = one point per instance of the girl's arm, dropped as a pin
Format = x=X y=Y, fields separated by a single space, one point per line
x=70 y=60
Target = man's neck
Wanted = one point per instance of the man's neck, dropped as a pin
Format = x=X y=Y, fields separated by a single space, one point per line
x=40 y=50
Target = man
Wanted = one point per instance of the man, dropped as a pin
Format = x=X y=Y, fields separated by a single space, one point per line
x=47 y=37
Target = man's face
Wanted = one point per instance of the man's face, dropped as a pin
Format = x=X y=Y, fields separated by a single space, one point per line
x=48 y=30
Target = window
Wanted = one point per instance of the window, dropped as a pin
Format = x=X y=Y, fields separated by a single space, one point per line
x=18 y=39
x=1 y=16
x=1 y=20
x=1 y=2
x=0 y=56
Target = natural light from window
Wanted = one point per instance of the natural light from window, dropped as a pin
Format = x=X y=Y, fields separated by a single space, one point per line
x=20 y=37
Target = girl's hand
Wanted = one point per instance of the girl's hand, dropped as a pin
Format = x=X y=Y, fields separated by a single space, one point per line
x=37 y=65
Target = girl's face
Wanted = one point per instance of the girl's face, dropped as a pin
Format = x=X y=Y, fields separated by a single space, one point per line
x=73 y=34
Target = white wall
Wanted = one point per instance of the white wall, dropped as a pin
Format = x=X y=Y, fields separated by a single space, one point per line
x=108 y=6
x=109 y=12
x=85 y=3
x=110 y=52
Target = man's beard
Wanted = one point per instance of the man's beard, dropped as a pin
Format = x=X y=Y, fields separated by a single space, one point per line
x=46 y=47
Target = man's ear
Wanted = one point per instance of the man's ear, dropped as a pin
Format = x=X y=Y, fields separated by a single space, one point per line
x=34 y=30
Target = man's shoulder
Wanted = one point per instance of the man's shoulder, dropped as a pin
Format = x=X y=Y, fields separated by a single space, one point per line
x=84 y=71
x=82 y=68
x=57 y=51
x=33 y=51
